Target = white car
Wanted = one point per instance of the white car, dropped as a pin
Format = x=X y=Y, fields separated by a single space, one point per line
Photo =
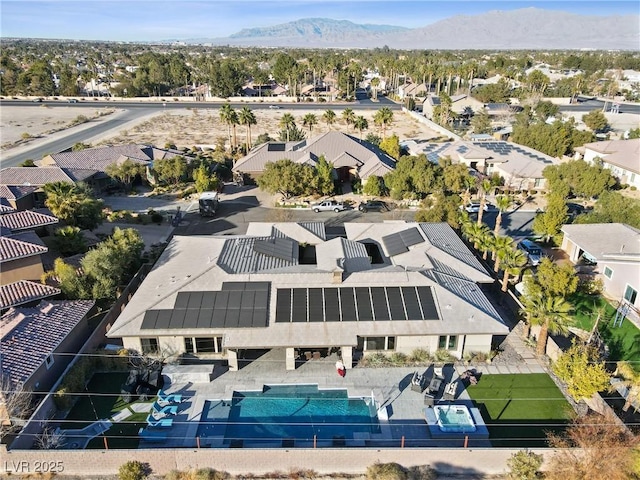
x=274 y=107
x=474 y=207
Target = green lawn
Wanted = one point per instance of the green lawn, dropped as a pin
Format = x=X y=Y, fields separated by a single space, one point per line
x=104 y=397
x=519 y=409
x=623 y=341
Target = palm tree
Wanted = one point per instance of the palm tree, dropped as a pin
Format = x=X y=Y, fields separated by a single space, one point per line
x=61 y=198
x=486 y=242
x=474 y=233
x=501 y=245
x=287 y=122
x=309 y=120
x=503 y=202
x=513 y=261
x=360 y=123
x=375 y=83
x=631 y=379
x=226 y=114
x=348 y=116
x=329 y=116
x=247 y=118
x=485 y=187
x=551 y=313
x=383 y=118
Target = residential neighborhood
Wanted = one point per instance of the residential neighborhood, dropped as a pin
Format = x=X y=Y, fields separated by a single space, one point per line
x=321 y=249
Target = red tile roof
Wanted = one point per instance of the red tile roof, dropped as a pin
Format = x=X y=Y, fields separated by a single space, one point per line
x=24 y=291
x=26 y=219
x=21 y=246
x=14 y=192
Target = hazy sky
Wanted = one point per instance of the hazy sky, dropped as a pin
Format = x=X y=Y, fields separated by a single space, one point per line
x=148 y=20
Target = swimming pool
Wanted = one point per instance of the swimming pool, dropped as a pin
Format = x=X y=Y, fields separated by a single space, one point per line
x=290 y=413
x=454 y=418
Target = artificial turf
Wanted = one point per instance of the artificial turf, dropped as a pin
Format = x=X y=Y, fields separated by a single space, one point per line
x=520 y=409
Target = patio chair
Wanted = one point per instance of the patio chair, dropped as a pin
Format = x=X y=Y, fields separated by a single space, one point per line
x=164 y=398
x=416 y=382
x=438 y=373
x=429 y=400
x=450 y=391
x=152 y=435
x=159 y=411
x=161 y=423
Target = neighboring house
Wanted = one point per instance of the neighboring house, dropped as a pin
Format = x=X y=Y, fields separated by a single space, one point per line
x=413 y=90
x=328 y=92
x=38 y=219
x=622 y=157
x=350 y=156
x=458 y=104
x=37 y=343
x=24 y=292
x=502 y=109
x=383 y=287
x=521 y=167
x=17 y=197
x=615 y=250
x=21 y=257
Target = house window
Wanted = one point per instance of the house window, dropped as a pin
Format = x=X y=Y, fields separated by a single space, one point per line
x=608 y=272
x=630 y=294
x=633 y=178
x=379 y=343
x=447 y=342
x=149 y=345
x=48 y=362
x=203 y=344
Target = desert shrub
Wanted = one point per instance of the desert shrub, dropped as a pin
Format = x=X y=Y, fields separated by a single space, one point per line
x=398 y=358
x=120 y=215
x=187 y=191
x=386 y=471
x=479 y=356
x=524 y=465
x=421 y=472
x=376 y=360
x=132 y=470
x=156 y=217
x=442 y=355
x=420 y=355
x=302 y=474
x=26 y=136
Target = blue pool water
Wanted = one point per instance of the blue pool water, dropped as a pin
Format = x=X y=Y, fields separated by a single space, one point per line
x=288 y=412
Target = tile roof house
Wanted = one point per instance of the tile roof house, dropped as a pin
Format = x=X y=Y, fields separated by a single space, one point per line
x=21 y=257
x=390 y=286
x=23 y=292
x=614 y=248
x=520 y=166
x=349 y=156
x=17 y=197
x=35 y=342
x=622 y=157
x=27 y=219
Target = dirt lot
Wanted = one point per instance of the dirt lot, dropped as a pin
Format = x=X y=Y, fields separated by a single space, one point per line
x=37 y=121
x=189 y=127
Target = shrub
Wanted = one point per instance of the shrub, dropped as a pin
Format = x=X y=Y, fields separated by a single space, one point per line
x=398 y=358
x=386 y=471
x=376 y=360
x=442 y=355
x=524 y=465
x=420 y=355
x=156 y=217
x=26 y=136
x=421 y=472
x=132 y=470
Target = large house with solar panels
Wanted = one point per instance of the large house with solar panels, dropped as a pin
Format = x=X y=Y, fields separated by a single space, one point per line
x=350 y=156
x=521 y=167
x=381 y=287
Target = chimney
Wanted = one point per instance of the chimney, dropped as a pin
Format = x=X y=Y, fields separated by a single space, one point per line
x=338 y=272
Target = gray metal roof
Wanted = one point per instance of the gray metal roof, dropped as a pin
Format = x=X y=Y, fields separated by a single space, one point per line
x=240 y=256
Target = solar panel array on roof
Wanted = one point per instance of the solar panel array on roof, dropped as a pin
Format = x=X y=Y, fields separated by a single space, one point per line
x=355 y=304
x=398 y=243
x=282 y=248
x=237 y=305
x=276 y=147
x=462 y=149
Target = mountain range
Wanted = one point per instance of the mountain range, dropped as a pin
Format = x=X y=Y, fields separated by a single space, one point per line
x=527 y=28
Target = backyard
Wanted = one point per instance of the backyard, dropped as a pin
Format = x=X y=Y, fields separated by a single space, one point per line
x=520 y=409
x=103 y=401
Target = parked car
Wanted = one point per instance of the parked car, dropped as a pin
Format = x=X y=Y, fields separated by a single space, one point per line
x=574 y=209
x=328 y=206
x=72 y=100
x=373 y=206
x=274 y=107
x=533 y=251
x=474 y=207
x=37 y=100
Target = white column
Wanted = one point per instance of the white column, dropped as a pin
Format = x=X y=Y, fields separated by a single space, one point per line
x=290 y=359
x=347 y=356
x=232 y=358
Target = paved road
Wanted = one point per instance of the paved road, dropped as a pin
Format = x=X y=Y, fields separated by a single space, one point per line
x=71 y=136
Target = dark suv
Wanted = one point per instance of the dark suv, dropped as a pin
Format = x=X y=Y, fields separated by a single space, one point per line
x=373 y=206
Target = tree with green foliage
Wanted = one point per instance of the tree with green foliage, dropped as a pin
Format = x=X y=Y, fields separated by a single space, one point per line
x=444 y=209
x=481 y=123
x=513 y=261
x=323 y=182
x=348 y=116
x=552 y=279
x=413 y=178
x=70 y=241
x=549 y=222
x=373 y=139
x=493 y=93
x=456 y=177
x=310 y=120
x=329 y=117
x=170 y=170
x=225 y=78
x=374 y=187
x=383 y=118
x=80 y=146
x=286 y=178
x=229 y=117
x=613 y=207
x=551 y=313
x=247 y=118
x=74 y=204
x=360 y=123
x=546 y=109
x=595 y=121
x=501 y=245
x=475 y=233
x=74 y=285
x=524 y=465
x=391 y=146
x=28 y=163
x=205 y=181
x=581 y=369
x=578 y=177
x=292 y=134
x=125 y=172
x=503 y=202
x=634 y=133
x=132 y=470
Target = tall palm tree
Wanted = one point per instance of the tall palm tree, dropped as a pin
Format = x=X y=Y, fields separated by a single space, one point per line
x=287 y=122
x=375 y=83
x=551 y=313
x=485 y=187
x=383 y=118
x=486 y=242
x=474 y=233
x=501 y=245
x=360 y=123
x=513 y=261
x=226 y=113
x=503 y=202
x=630 y=379
x=62 y=198
x=247 y=118
x=329 y=116
x=349 y=116
x=309 y=120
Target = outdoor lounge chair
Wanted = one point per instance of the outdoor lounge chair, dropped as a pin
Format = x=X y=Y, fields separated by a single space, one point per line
x=161 y=423
x=164 y=398
x=416 y=382
x=450 y=391
x=159 y=411
x=152 y=435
